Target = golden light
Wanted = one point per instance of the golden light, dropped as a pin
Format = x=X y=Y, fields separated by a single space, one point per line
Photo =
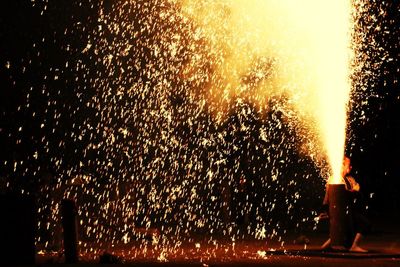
x=307 y=44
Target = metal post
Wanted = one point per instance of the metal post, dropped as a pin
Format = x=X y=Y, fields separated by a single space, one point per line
x=69 y=223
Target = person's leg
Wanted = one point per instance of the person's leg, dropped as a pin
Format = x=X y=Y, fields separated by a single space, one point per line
x=362 y=226
x=355 y=246
x=327 y=244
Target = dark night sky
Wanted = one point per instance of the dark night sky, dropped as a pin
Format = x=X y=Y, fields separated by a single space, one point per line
x=38 y=93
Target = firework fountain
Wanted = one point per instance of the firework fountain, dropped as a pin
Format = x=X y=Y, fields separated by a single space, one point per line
x=193 y=118
x=310 y=45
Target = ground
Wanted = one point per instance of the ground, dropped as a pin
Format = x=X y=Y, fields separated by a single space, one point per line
x=383 y=246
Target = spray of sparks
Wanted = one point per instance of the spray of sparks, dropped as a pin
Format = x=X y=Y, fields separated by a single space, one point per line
x=192 y=118
x=307 y=51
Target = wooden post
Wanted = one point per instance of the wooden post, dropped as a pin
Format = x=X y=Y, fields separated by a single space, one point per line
x=70 y=226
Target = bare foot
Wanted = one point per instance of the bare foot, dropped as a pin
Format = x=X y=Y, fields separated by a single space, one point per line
x=326 y=245
x=358 y=249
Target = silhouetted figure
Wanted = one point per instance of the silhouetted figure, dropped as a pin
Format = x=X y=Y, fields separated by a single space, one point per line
x=358 y=222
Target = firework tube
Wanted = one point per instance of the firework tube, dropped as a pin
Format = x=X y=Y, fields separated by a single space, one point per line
x=339 y=214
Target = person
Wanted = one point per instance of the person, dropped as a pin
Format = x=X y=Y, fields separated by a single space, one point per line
x=360 y=223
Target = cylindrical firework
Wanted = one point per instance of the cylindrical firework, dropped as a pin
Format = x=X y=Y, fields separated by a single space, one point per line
x=340 y=229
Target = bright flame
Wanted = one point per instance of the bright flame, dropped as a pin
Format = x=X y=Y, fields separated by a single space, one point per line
x=332 y=81
x=308 y=46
